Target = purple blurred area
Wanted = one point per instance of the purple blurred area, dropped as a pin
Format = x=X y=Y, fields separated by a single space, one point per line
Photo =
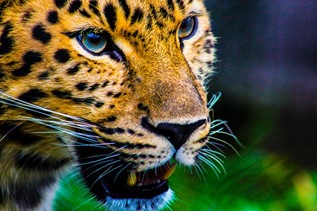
x=267 y=73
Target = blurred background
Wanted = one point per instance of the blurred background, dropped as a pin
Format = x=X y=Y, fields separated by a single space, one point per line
x=267 y=74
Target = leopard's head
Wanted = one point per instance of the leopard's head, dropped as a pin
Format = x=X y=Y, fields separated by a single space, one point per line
x=122 y=83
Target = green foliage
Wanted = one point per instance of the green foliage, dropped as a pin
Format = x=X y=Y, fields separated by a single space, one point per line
x=254 y=181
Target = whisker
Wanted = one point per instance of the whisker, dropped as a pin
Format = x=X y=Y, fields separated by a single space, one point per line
x=215 y=158
x=89 y=199
x=98 y=160
x=214 y=98
x=225 y=143
x=109 y=170
x=12 y=101
x=11 y=130
x=126 y=166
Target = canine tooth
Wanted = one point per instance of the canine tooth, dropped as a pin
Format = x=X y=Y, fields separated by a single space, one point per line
x=170 y=170
x=132 y=179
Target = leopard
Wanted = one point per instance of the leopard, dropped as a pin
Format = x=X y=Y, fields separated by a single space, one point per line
x=116 y=89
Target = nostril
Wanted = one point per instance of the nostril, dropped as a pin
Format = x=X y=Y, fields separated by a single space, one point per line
x=177 y=134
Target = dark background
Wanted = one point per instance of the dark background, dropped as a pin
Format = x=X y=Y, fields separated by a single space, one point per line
x=267 y=52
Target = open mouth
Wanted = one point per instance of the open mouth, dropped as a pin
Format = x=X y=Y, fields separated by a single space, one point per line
x=112 y=179
x=145 y=184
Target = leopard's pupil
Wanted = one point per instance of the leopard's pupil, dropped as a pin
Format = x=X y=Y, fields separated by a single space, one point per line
x=188 y=28
x=94 y=42
x=94 y=38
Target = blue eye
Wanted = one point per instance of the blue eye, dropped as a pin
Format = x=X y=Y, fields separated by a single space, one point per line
x=93 y=42
x=188 y=28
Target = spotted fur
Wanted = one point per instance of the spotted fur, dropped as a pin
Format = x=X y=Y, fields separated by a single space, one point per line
x=61 y=106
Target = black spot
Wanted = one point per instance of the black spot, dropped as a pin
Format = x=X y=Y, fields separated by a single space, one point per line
x=93 y=87
x=163 y=12
x=108 y=131
x=26 y=16
x=108 y=119
x=111 y=15
x=22 y=2
x=111 y=131
x=133 y=146
x=74 y=6
x=170 y=4
x=60 y=3
x=180 y=4
x=153 y=11
x=160 y=25
x=38 y=162
x=43 y=75
x=93 y=6
x=143 y=107
x=62 y=55
x=119 y=130
x=62 y=94
x=81 y=86
x=149 y=22
x=84 y=13
x=109 y=94
x=32 y=57
x=73 y=70
x=111 y=119
x=32 y=95
x=117 y=95
x=130 y=131
x=172 y=17
x=105 y=84
x=137 y=16
x=29 y=58
x=6 y=42
x=99 y=104
x=52 y=17
x=87 y=100
x=135 y=34
x=39 y=33
x=125 y=8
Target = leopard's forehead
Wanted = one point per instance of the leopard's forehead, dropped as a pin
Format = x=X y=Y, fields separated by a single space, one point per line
x=138 y=20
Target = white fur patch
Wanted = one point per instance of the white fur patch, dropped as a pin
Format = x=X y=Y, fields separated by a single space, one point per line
x=155 y=203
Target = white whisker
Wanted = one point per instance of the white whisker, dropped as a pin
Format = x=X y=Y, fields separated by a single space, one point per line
x=11 y=130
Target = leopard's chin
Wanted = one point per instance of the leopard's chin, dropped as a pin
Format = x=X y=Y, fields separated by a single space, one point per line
x=154 y=203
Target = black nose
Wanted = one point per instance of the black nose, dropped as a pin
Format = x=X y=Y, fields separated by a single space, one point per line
x=177 y=134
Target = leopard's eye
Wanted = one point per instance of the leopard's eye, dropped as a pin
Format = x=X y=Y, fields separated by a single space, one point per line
x=93 y=42
x=188 y=28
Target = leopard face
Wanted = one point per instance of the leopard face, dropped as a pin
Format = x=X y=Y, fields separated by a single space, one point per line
x=114 y=87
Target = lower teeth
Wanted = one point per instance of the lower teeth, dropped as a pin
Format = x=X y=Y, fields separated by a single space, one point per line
x=132 y=179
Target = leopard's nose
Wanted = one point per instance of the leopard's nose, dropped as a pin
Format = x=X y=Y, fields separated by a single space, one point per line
x=177 y=134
